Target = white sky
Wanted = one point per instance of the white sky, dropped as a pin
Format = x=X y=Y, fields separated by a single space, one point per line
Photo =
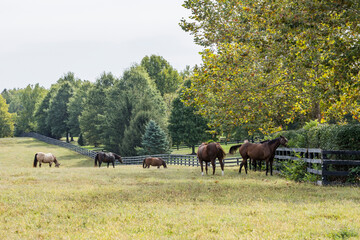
x=41 y=40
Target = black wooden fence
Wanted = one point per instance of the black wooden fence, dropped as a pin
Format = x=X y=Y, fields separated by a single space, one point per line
x=328 y=164
x=333 y=166
x=53 y=141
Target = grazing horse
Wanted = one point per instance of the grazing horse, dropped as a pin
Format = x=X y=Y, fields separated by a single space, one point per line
x=153 y=161
x=259 y=151
x=208 y=152
x=45 y=158
x=107 y=158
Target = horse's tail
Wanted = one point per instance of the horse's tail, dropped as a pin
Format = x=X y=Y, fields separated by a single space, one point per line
x=221 y=152
x=96 y=160
x=144 y=163
x=35 y=160
x=233 y=149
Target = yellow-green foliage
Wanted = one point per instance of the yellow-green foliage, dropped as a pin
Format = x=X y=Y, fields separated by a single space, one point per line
x=78 y=201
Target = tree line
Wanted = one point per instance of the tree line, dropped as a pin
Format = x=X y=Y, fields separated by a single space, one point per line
x=266 y=66
x=134 y=114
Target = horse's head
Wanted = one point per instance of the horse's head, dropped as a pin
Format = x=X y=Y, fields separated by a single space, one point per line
x=283 y=141
x=163 y=162
x=118 y=157
x=57 y=164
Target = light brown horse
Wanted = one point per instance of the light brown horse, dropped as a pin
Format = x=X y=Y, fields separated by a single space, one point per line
x=45 y=158
x=208 y=152
x=153 y=161
x=259 y=151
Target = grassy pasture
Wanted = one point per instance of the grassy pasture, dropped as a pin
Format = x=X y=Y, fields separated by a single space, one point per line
x=78 y=201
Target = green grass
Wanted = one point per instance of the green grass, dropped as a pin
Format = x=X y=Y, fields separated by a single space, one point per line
x=78 y=201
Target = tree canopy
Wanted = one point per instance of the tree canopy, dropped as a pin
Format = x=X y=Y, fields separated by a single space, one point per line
x=267 y=63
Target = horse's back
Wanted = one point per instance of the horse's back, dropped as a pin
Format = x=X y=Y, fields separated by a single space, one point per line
x=257 y=151
x=45 y=157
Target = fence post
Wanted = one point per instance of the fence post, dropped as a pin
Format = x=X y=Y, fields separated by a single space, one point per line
x=323 y=168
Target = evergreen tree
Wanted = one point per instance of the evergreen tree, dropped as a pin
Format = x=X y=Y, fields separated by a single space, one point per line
x=154 y=140
x=81 y=140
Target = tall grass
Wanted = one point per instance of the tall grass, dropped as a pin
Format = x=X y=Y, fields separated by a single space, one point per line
x=78 y=201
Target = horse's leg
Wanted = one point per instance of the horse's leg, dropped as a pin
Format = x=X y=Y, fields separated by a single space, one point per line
x=206 y=166
x=267 y=166
x=201 y=165
x=113 y=163
x=246 y=166
x=260 y=166
x=243 y=163
x=213 y=165
x=50 y=164
x=222 y=166
x=100 y=163
x=271 y=165
x=39 y=164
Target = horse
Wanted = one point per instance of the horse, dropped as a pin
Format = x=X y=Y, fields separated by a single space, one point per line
x=208 y=152
x=107 y=158
x=45 y=158
x=153 y=161
x=259 y=151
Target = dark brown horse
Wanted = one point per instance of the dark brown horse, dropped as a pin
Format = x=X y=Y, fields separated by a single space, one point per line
x=259 y=151
x=107 y=158
x=153 y=161
x=208 y=152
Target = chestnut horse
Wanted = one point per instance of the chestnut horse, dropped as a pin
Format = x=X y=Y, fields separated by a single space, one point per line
x=45 y=158
x=259 y=151
x=208 y=152
x=153 y=161
x=107 y=158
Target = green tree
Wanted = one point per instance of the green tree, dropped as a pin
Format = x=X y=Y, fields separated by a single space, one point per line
x=6 y=119
x=92 y=120
x=186 y=126
x=167 y=79
x=131 y=103
x=58 y=114
x=41 y=112
x=13 y=99
x=154 y=140
x=30 y=97
x=267 y=62
x=75 y=107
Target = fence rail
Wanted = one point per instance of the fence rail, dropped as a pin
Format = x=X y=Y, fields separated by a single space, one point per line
x=319 y=164
x=53 y=141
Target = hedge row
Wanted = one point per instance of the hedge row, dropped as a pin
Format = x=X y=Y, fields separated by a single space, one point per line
x=325 y=136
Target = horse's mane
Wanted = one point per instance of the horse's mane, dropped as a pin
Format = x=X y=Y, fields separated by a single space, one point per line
x=270 y=142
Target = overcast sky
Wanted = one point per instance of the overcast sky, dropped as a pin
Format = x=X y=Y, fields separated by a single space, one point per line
x=41 y=40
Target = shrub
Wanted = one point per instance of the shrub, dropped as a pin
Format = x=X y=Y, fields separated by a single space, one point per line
x=348 y=137
x=81 y=141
